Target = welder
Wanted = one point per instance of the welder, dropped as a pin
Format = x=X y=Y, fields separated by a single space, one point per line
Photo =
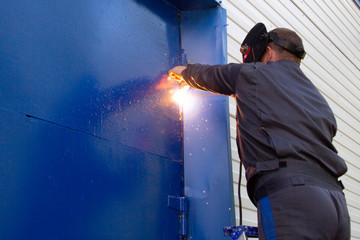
x=285 y=130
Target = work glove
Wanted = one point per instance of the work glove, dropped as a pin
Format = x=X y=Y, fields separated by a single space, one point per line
x=175 y=73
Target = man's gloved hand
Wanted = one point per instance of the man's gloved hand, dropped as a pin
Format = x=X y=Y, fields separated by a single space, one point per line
x=175 y=73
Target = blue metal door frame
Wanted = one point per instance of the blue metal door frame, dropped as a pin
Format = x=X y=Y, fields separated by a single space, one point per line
x=207 y=156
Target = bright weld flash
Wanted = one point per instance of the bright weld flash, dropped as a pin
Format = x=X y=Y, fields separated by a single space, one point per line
x=183 y=97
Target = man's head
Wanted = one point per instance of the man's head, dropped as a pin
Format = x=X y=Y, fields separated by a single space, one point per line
x=280 y=43
x=283 y=44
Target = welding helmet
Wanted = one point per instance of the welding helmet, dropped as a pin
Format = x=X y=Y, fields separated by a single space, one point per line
x=255 y=42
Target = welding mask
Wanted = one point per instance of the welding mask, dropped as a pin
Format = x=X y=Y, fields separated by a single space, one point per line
x=255 y=42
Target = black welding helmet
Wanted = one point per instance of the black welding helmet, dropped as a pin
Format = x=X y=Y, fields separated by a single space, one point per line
x=255 y=42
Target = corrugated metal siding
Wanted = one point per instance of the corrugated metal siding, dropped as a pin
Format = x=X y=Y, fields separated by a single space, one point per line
x=331 y=35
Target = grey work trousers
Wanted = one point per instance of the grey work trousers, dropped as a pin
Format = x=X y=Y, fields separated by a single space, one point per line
x=301 y=212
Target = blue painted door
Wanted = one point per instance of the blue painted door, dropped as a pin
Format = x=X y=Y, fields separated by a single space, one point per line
x=89 y=141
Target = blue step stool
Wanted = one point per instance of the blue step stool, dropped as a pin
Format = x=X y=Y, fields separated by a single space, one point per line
x=241 y=232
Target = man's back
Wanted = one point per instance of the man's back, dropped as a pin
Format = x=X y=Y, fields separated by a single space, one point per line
x=282 y=116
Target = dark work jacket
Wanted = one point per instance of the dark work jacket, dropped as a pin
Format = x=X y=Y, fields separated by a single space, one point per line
x=280 y=114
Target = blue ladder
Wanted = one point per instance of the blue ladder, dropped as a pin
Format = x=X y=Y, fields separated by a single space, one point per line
x=241 y=232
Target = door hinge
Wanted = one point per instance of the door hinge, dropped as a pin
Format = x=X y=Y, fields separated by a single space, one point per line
x=180 y=204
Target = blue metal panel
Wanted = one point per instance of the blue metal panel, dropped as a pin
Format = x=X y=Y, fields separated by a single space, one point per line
x=89 y=144
x=93 y=66
x=207 y=166
x=57 y=183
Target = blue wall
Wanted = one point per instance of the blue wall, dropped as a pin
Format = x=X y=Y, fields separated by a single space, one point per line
x=90 y=148
x=90 y=141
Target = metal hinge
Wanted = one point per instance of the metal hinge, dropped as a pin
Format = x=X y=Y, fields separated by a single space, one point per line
x=180 y=204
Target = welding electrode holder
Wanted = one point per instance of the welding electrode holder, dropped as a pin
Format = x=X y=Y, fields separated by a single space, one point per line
x=178 y=78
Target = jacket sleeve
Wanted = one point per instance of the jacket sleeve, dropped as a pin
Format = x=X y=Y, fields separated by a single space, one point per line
x=214 y=78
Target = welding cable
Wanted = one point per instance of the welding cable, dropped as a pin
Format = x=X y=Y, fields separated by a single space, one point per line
x=239 y=193
x=212 y=95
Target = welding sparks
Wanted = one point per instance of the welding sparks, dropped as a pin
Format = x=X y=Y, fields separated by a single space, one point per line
x=183 y=97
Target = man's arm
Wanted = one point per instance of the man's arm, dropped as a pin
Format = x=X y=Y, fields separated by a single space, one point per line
x=217 y=78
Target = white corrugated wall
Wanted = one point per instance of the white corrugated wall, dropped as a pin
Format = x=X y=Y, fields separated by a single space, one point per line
x=330 y=30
